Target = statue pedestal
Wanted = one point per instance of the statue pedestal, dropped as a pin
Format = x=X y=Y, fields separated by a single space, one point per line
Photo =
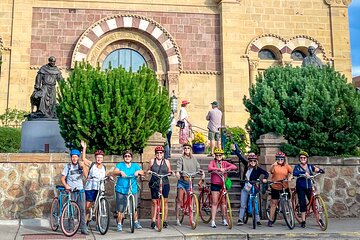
x=41 y=136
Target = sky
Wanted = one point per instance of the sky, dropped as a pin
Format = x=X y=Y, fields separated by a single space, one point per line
x=354 y=24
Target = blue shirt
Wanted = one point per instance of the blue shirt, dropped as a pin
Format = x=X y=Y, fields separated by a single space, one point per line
x=122 y=184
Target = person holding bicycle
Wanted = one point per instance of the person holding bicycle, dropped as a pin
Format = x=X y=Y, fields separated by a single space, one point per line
x=187 y=163
x=161 y=166
x=303 y=171
x=122 y=170
x=252 y=172
x=72 y=178
x=220 y=165
x=279 y=171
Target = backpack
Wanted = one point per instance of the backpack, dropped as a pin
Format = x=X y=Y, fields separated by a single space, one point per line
x=79 y=168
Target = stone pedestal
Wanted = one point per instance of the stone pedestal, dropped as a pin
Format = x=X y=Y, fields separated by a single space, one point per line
x=41 y=136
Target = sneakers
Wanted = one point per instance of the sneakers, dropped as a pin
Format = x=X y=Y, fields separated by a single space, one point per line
x=178 y=222
x=270 y=223
x=321 y=222
x=212 y=224
x=224 y=222
x=85 y=231
x=119 y=227
x=152 y=225
x=165 y=225
x=240 y=222
x=137 y=225
x=258 y=223
x=303 y=224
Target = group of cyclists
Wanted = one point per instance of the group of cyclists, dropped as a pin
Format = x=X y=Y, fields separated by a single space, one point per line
x=79 y=167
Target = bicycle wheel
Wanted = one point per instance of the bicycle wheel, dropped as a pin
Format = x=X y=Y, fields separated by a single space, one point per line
x=54 y=214
x=320 y=212
x=183 y=210
x=253 y=213
x=132 y=213
x=288 y=213
x=205 y=206
x=103 y=216
x=228 y=212
x=246 y=215
x=70 y=219
x=193 y=211
x=296 y=207
x=160 y=213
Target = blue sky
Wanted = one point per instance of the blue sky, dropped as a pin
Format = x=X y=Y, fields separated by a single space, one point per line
x=354 y=22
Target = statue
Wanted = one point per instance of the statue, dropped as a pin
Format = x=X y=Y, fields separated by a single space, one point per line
x=44 y=94
x=312 y=59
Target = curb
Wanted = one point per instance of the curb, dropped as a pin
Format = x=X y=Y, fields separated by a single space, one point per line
x=35 y=222
x=10 y=222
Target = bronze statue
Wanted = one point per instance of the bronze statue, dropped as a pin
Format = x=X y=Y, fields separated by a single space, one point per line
x=44 y=94
x=312 y=59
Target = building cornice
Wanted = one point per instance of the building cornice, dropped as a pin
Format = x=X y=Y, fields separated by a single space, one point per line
x=338 y=3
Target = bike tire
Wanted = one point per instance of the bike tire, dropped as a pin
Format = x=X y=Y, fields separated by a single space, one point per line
x=182 y=211
x=194 y=211
x=320 y=212
x=228 y=212
x=288 y=213
x=253 y=213
x=246 y=215
x=205 y=206
x=70 y=219
x=296 y=207
x=103 y=216
x=160 y=213
x=132 y=213
x=54 y=214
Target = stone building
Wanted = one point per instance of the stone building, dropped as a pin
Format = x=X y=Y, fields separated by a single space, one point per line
x=202 y=49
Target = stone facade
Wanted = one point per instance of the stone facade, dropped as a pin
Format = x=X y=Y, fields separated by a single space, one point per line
x=203 y=50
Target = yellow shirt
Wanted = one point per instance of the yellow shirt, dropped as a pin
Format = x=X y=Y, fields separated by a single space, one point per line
x=279 y=172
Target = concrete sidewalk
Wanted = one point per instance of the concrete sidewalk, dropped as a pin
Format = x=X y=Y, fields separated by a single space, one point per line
x=39 y=229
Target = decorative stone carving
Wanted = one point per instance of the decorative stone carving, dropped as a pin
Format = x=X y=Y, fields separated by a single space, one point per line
x=338 y=3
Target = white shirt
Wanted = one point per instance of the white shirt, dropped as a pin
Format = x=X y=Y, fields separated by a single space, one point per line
x=95 y=175
x=183 y=114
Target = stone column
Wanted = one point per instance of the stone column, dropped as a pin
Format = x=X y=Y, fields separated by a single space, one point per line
x=253 y=66
x=269 y=145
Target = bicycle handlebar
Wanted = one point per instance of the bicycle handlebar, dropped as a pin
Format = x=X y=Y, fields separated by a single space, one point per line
x=161 y=175
x=252 y=181
x=310 y=177
x=192 y=174
x=279 y=181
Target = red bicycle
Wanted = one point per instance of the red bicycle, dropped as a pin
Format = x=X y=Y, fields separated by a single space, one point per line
x=205 y=199
x=160 y=202
x=190 y=204
x=315 y=205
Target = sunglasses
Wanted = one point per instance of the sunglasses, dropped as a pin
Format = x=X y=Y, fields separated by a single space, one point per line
x=302 y=157
x=186 y=148
x=159 y=152
x=280 y=159
x=218 y=155
x=252 y=160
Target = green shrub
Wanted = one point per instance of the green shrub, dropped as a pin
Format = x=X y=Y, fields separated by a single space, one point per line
x=10 y=139
x=235 y=135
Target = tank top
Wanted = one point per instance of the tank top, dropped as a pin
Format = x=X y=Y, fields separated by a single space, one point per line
x=160 y=169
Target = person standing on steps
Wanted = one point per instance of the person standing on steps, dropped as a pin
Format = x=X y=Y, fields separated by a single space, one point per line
x=184 y=135
x=214 y=117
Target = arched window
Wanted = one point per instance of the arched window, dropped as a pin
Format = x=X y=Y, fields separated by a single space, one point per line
x=266 y=54
x=297 y=55
x=124 y=57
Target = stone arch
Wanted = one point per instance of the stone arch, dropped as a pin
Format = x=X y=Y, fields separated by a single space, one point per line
x=139 y=25
x=270 y=41
x=302 y=42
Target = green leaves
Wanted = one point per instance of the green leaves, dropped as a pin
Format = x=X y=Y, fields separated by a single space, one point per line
x=112 y=110
x=315 y=109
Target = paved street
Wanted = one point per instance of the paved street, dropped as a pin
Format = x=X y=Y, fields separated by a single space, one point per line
x=39 y=229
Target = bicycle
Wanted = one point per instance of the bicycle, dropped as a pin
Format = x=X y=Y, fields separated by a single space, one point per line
x=65 y=212
x=160 y=202
x=283 y=206
x=205 y=201
x=315 y=205
x=252 y=207
x=190 y=204
x=100 y=210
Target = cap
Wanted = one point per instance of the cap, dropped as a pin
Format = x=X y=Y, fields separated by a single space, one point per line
x=183 y=102
x=215 y=103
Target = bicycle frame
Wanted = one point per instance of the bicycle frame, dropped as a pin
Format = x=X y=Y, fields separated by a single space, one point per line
x=253 y=202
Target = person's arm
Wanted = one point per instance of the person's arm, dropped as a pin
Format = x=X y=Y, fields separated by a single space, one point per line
x=83 y=154
x=239 y=155
x=229 y=166
x=290 y=175
x=272 y=168
x=138 y=171
x=263 y=172
x=208 y=116
x=63 y=177
x=151 y=162
x=118 y=172
x=212 y=166
x=168 y=165
x=298 y=171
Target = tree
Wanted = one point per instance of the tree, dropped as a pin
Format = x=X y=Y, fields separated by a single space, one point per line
x=315 y=109
x=113 y=110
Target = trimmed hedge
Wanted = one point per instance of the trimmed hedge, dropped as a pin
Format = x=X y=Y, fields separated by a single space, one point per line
x=10 y=139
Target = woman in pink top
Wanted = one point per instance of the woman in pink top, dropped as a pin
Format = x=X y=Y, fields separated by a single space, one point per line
x=221 y=166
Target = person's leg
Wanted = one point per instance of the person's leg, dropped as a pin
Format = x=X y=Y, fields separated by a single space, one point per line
x=217 y=140
x=166 y=190
x=80 y=200
x=243 y=203
x=120 y=208
x=215 y=199
x=212 y=142
x=179 y=201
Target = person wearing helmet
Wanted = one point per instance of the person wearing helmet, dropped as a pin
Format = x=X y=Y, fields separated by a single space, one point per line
x=252 y=172
x=123 y=169
x=222 y=166
x=279 y=171
x=187 y=163
x=94 y=173
x=303 y=171
x=72 y=178
x=161 y=166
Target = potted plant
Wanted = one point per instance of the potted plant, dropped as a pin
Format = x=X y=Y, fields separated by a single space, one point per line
x=198 y=143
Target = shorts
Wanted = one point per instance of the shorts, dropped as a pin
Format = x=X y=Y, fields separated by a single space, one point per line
x=90 y=195
x=165 y=191
x=215 y=187
x=275 y=194
x=121 y=201
x=214 y=135
x=183 y=184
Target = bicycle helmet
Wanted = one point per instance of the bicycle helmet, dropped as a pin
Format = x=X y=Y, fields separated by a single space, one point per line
x=75 y=152
x=280 y=154
x=302 y=152
x=159 y=149
x=252 y=156
x=187 y=144
x=99 y=152
x=218 y=151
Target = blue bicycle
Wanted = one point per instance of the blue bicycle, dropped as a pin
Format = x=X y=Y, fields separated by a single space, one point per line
x=253 y=201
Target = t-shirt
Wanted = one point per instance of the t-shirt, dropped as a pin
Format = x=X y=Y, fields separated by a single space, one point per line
x=278 y=173
x=183 y=114
x=122 y=184
x=214 y=117
x=95 y=175
x=74 y=176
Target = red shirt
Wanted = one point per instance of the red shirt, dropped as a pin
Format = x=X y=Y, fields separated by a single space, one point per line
x=216 y=165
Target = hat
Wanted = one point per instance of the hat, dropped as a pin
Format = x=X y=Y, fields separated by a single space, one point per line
x=215 y=103
x=183 y=102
